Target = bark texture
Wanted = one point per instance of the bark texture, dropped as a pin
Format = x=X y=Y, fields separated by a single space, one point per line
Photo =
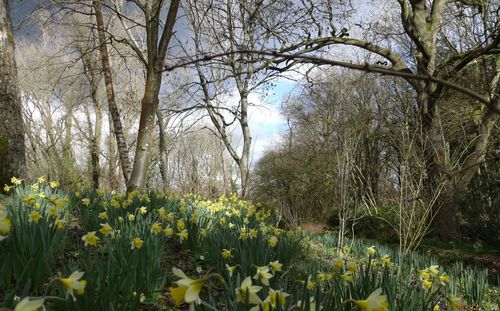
x=12 y=149
x=113 y=108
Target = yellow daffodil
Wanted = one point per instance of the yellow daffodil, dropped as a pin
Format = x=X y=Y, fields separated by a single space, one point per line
x=263 y=275
x=433 y=270
x=375 y=302
x=272 y=241
x=253 y=233
x=143 y=210
x=183 y=234
x=168 y=231
x=60 y=224
x=120 y=219
x=35 y=187
x=352 y=266
x=35 y=217
x=427 y=283
x=385 y=259
x=7 y=188
x=156 y=228
x=181 y=224
x=371 y=250
x=230 y=269
x=16 y=181
x=275 y=265
x=455 y=303
x=338 y=264
x=424 y=274
x=136 y=243
x=29 y=305
x=436 y=308
x=86 y=202
x=246 y=288
x=131 y=217
x=103 y=216
x=90 y=239
x=226 y=253
x=324 y=276
x=187 y=290
x=73 y=283
x=54 y=184
x=5 y=223
x=41 y=179
x=105 y=229
x=347 y=276
x=444 y=278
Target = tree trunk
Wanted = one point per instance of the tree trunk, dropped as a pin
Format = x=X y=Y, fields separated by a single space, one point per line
x=163 y=151
x=113 y=109
x=146 y=130
x=245 y=154
x=12 y=153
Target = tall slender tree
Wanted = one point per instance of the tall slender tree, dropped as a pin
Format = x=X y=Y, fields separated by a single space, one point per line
x=12 y=153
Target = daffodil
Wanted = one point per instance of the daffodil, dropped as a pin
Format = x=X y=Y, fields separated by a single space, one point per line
x=131 y=217
x=230 y=269
x=103 y=216
x=90 y=239
x=183 y=234
x=436 y=308
x=60 y=224
x=187 y=290
x=181 y=224
x=352 y=266
x=433 y=270
x=455 y=303
x=156 y=228
x=41 y=179
x=444 y=278
x=143 y=210
x=263 y=275
x=7 y=188
x=29 y=305
x=371 y=250
x=338 y=264
x=168 y=231
x=275 y=265
x=54 y=184
x=347 y=276
x=375 y=302
x=105 y=229
x=136 y=243
x=5 y=223
x=16 y=181
x=426 y=283
x=272 y=241
x=226 y=253
x=73 y=283
x=35 y=217
x=246 y=288
x=385 y=259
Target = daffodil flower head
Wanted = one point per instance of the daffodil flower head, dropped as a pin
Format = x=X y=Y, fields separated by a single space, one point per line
x=156 y=228
x=136 y=243
x=371 y=250
x=105 y=229
x=73 y=283
x=375 y=302
x=226 y=253
x=86 y=202
x=187 y=290
x=35 y=217
x=247 y=289
x=230 y=269
x=272 y=241
x=276 y=265
x=29 y=305
x=5 y=223
x=90 y=239
x=263 y=275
